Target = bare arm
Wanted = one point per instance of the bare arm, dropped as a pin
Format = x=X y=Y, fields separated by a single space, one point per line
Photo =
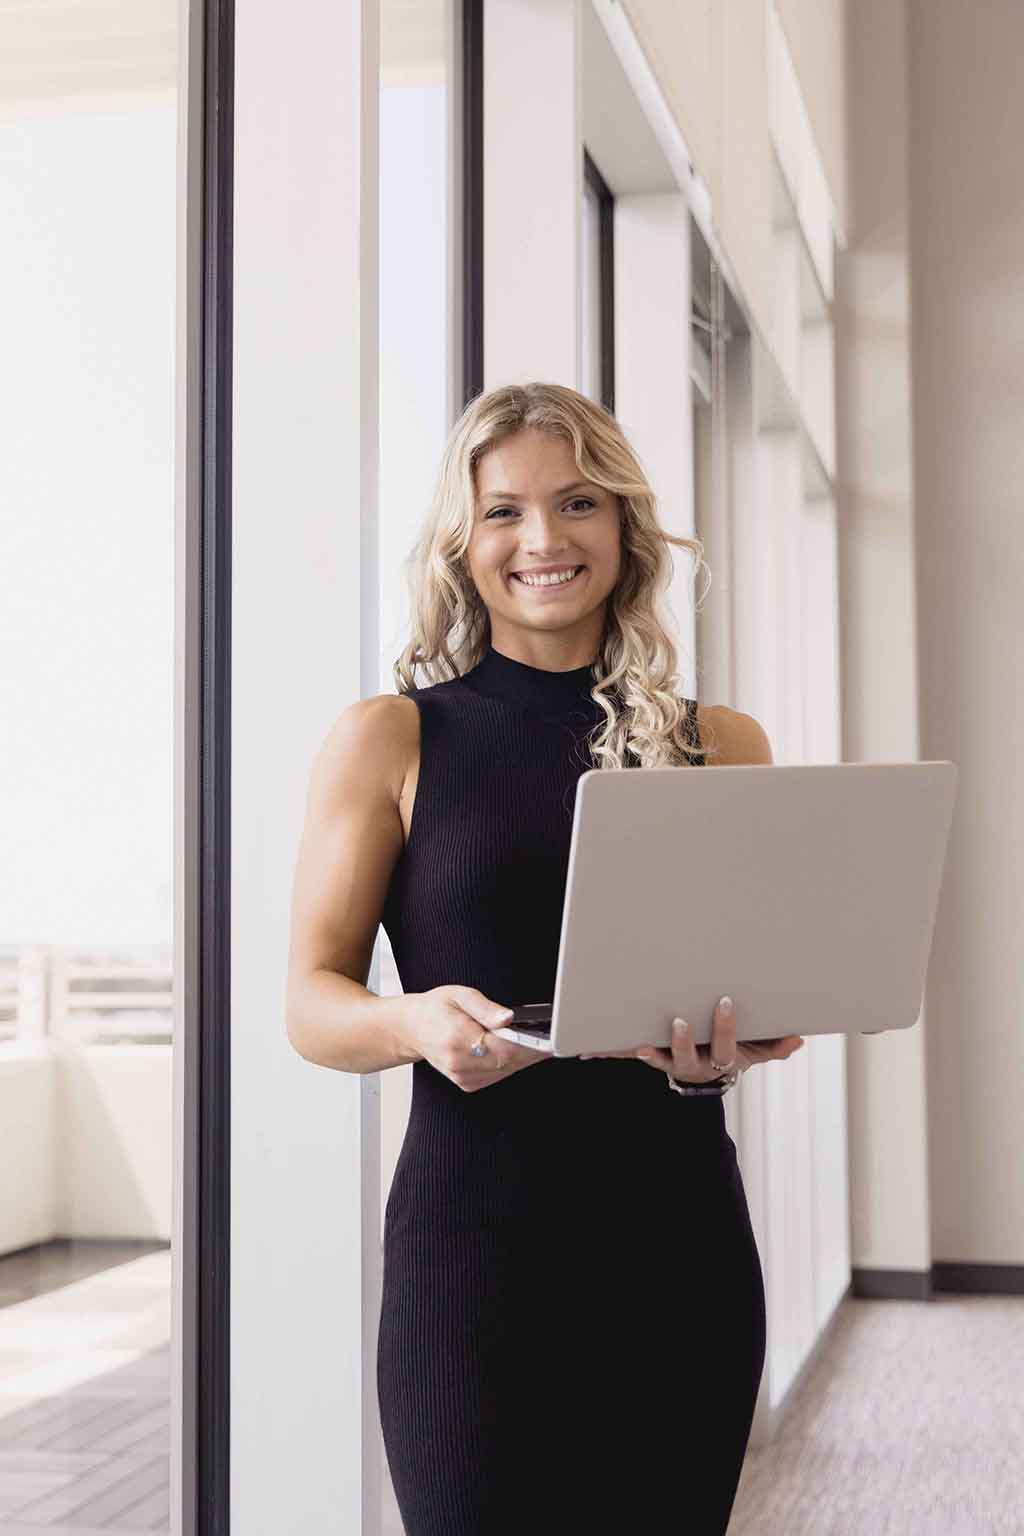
x=350 y=843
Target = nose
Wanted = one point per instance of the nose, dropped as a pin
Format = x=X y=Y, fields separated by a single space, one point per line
x=540 y=533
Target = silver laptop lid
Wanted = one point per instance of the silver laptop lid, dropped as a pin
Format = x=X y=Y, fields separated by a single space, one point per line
x=808 y=893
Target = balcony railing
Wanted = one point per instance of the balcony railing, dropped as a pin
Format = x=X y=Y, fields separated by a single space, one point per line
x=83 y=996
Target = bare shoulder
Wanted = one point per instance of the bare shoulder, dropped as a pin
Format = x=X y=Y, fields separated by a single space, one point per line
x=370 y=736
x=733 y=738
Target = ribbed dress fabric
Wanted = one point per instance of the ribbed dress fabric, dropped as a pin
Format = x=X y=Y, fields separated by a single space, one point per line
x=572 y=1331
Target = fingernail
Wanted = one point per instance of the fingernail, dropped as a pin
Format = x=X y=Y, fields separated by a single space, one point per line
x=504 y=1013
x=645 y=1055
x=725 y=1005
x=681 y=1025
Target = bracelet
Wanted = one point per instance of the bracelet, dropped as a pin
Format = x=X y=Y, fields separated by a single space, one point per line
x=718 y=1086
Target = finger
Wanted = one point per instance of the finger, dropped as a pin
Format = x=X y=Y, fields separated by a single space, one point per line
x=685 y=1063
x=756 y=1052
x=723 y=1033
x=781 y=1047
x=766 y=1049
x=493 y=1061
x=653 y=1057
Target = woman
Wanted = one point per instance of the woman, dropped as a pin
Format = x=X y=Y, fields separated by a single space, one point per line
x=572 y=1332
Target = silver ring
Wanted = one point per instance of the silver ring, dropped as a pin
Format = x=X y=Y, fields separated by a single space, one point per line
x=717 y=1067
x=480 y=1049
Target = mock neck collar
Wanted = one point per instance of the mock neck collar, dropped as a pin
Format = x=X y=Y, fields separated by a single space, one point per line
x=534 y=689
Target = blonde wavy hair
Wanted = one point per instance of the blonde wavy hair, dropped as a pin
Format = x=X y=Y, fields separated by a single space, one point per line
x=636 y=680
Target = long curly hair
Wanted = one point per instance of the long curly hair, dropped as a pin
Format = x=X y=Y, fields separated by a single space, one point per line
x=636 y=681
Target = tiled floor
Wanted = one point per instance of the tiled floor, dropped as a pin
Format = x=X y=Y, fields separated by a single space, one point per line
x=84 y=1403
x=47 y=1266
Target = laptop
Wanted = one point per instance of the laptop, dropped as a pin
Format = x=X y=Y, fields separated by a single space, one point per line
x=807 y=892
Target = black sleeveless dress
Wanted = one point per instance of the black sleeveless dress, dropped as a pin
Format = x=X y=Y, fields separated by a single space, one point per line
x=572 y=1331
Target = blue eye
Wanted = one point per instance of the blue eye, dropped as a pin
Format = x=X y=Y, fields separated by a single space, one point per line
x=575 y=502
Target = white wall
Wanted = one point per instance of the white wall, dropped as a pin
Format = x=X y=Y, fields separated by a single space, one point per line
x=887 y=1089
x=28 y=1114
x=966 y=261
x=929 y=336
x=87 y=1142
x=113 y=1127
x=87 y=209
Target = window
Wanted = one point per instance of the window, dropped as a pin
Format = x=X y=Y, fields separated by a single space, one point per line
x=597 y=288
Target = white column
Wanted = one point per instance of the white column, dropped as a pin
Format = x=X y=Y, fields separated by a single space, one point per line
x=892 y=1219
x=533 y=187
x=305 y=1154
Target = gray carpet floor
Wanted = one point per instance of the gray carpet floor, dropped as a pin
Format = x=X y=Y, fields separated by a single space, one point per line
x=911 y=1424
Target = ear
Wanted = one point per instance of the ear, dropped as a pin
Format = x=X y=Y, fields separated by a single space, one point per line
x=743 y=741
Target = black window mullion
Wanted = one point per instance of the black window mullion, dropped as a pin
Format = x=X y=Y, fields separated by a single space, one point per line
x=606 y=279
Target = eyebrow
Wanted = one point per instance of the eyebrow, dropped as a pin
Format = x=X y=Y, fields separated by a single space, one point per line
x=561 y=491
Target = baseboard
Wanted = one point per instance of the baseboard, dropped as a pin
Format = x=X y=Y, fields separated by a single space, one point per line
x=893 y=1285
x=943 y=1277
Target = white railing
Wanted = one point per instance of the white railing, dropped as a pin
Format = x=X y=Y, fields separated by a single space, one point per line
x=23 y=991
x=111 y=996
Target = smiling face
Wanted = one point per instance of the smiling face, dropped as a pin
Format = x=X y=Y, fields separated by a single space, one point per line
x=535 y=513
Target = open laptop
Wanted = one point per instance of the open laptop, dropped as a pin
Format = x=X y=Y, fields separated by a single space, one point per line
x=808 y=893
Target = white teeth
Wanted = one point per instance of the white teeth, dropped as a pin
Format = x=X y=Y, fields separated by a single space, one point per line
x=547 y=581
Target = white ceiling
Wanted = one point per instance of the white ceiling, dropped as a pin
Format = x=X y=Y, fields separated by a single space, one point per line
x=616 y=132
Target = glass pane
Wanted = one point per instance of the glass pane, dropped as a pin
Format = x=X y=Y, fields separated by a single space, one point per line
x=88 y=192
x=590 y=269
x=420 y=288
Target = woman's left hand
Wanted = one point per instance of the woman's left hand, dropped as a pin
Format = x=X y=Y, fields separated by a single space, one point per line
x=689 y=1063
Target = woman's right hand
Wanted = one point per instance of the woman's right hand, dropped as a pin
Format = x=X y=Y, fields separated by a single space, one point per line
x=446 y=1021
x=690 y=1063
